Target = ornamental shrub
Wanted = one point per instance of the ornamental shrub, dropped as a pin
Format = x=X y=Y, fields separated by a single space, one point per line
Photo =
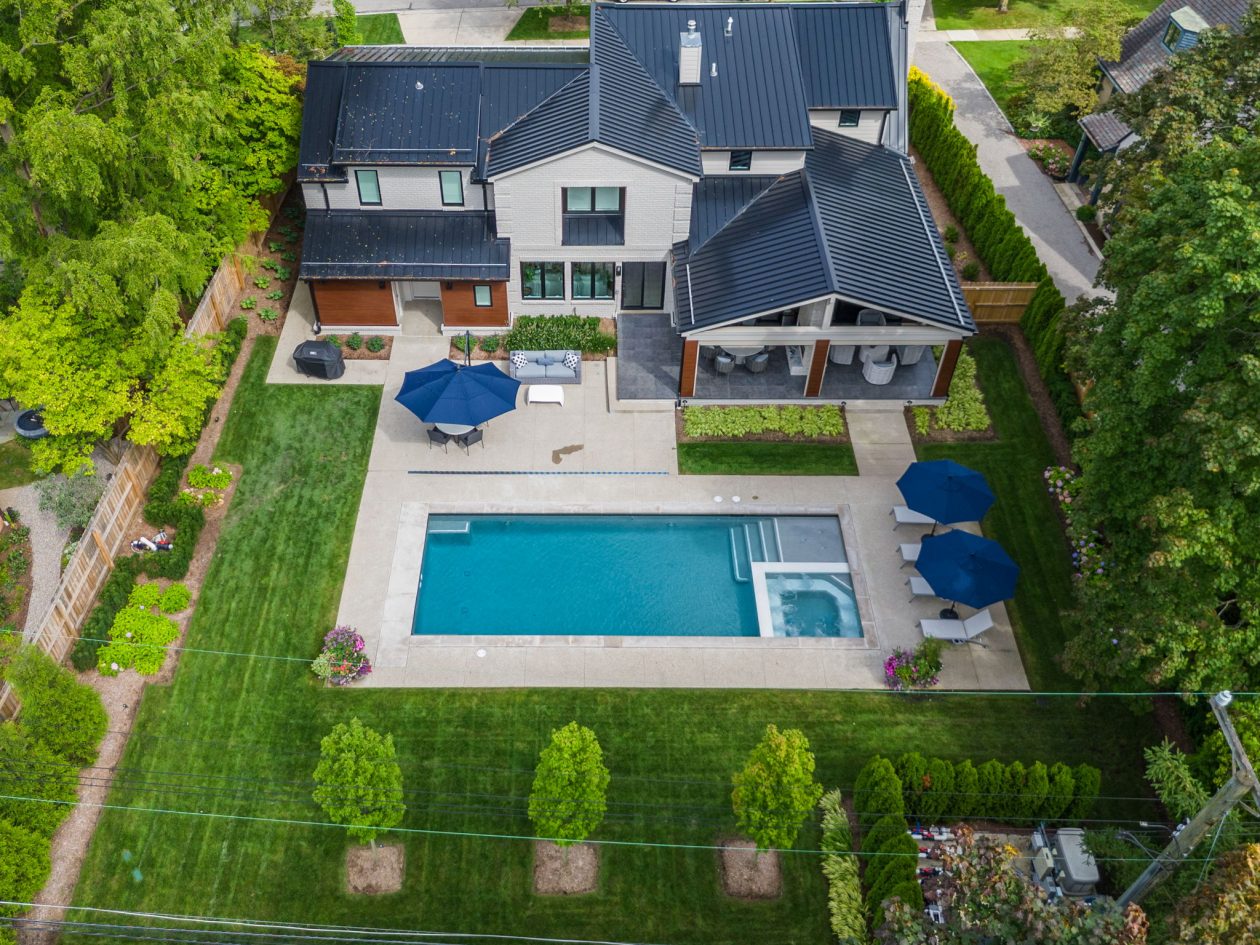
x=175 y=598
x=883 y=830
x=58 y=711
x=489 y=344
x=1014 y=781
x=1036 y=788
x=965 y=798
x=203 y=477
x=376 y=343
x=840 y=867
x=138 y=639
x=342 y=660
x=877 y=792
x=1059 y=793
x=807 y=422
x=72 y=499
x=544 y=332
x=1088 y=783
x=24 y=867
x=918 y=670
x=354 y=342
x=897 y=862
x=144 y=595
x=912 y=769
x=937 y=801
x=29 y=769
x=964 y=409
x=990 y=777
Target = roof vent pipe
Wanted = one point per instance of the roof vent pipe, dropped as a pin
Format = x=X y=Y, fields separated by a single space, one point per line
x=730 y=25
x=713 y=70
x=689 y=56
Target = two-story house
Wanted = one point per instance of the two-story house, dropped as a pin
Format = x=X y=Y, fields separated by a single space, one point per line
x=1174 y=26
x=738 y=171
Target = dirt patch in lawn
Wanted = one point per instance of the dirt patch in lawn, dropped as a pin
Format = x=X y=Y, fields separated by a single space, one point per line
x=375 y=872
x=567 y=24
x=964 y=251
x=747 y=874
x=565 y=871
x=1051 y=425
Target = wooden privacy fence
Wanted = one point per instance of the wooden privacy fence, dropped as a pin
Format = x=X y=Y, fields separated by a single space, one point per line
x=125 y=494
x=998 y=302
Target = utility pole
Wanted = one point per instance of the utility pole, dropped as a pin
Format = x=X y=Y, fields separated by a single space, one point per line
x=1242 y=781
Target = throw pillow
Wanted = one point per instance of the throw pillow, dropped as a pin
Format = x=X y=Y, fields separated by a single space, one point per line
x=572 y=360
x=545 y=361
x=519 y=360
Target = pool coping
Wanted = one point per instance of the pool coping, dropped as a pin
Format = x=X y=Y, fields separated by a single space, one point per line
x=396 y=638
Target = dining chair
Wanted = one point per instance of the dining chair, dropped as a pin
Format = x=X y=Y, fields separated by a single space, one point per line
x=438 y=437
x=466 y=440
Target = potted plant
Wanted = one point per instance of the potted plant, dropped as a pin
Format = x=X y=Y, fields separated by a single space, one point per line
x=342 y=660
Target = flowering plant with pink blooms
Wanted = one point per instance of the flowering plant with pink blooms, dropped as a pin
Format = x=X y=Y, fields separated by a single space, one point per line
x=1088 y=547
x=342 y=660
x=919 y=669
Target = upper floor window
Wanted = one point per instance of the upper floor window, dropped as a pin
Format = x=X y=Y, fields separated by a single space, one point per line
x=369 y=188
x=452 y=183
x=849 y=117
x=1172 y=36
x=741 y=161
x=542 y=280
x=594 y=216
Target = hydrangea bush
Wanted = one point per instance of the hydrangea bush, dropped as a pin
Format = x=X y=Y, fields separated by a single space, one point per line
x=919 y=669
x=1088 y=547
x=342 y=660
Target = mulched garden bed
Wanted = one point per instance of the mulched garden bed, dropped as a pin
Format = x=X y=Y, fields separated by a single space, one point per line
x=680 y=427
x=606 y=325
x=1057 y=143
x=565 y=871
x=362 y=353
x=17 y=578
x=747 y=874
x=285 y=234
x=944 y=219
x=375 y=871
x=947 y=436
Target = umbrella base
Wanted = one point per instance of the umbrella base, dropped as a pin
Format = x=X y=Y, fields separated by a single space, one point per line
x=949 y=614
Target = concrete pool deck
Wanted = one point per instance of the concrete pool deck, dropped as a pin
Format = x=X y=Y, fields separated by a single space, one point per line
x=588 y=456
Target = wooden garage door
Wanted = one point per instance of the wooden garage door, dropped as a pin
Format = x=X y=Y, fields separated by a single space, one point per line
x=354 y=302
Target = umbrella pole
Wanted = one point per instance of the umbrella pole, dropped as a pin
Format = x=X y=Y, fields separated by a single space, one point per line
x=467 y=348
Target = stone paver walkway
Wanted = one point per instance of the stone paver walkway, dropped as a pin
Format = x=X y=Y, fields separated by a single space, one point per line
x=1029 y=193
x=881 y=442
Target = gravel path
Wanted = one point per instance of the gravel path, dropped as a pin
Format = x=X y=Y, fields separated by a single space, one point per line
x=47 y=540
x=1029 y=193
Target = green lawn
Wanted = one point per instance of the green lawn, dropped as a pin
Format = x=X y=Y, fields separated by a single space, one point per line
x=380 y=29
x=984 y=15
x=15 y=464
x=766 y=459
x=239 y=736
x=993 y=62
x=533 y=24
x=1023 y=519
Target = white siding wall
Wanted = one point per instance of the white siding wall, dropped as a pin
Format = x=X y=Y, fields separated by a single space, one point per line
x=402 y=188
x=528 y=211
x=766 y=163
x=868 y=129
x=817 y=314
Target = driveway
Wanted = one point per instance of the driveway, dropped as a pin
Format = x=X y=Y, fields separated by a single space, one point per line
x=1029 y=193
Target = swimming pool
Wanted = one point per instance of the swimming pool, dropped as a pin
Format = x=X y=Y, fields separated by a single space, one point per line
x=628 y=575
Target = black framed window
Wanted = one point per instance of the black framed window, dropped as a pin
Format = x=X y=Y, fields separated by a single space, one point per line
x=369 y=185
x=643 y=285
x=741 y=161
x=594 y=280
x=452 y=185
x=542 y=280
x=481 y=296
x=594 y=216
x=849 y=117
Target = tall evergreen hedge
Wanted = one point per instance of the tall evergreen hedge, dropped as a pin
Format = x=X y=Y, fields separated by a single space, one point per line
x=997 y=237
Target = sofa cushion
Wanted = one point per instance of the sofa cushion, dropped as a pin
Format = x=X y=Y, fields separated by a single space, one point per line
x=560 y=371
x=556 y=354
x=546 y=360
x=531 y=370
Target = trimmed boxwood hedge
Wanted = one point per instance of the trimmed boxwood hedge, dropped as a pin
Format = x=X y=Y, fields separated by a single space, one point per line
x=996 y=235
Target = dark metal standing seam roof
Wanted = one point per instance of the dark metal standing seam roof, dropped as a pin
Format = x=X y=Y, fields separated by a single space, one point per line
x=1142 y=51
x=846 y=56
x=402 y=244
x=560 y=123
x=508 y=55
x=319 y=121
x=883 y=246
x=509 y=92
x=407 y=114
x=714 y=200
x=757 y=99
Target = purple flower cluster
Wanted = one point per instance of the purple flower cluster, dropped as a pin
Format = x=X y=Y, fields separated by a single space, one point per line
x=1087 y=544
x=343 y=649
x=907 y=670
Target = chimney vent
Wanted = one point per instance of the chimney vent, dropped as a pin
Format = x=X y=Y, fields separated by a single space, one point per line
x=730 y=25
x=689 y=56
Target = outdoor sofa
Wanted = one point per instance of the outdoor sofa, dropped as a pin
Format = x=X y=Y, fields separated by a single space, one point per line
x=555 y=366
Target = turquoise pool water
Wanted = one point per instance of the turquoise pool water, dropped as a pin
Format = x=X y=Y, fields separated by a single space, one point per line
x=620 y=575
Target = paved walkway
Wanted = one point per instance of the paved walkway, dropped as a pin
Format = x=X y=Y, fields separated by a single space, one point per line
x=47 y=541
x=457 y=27
x=971 y=36
x=1029 y=193
x=881 y=442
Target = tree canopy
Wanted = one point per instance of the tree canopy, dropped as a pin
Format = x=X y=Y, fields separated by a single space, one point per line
x=1170 y=459
x=776 y=790
x=568 y=799
x=134 y=141
x=359 y=783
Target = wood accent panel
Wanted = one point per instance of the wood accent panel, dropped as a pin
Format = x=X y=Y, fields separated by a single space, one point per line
x=460 y=310
x=1000 y=303
x=690 y=364
x=817 y=367
x=945 y=371
x=354 y=302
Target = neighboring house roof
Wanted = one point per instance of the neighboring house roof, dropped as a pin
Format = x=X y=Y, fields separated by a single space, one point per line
x=615 y=103
x=511 y=55
x=1142 y=51
x=1105 y=130
x=402 y=244
x=854 y=223
x=371 y=111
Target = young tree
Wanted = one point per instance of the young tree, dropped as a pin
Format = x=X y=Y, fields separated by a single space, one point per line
x=1061 y=74
x=568 y=798
x=1171 y=365
x=966 y=796
x=345 y=24
x=359 y=783
x=877 y=792
x=1059 y=793
x=776 y=790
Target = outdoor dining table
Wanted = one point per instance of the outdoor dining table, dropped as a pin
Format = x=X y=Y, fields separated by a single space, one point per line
x=742 y=353
x=454 y=429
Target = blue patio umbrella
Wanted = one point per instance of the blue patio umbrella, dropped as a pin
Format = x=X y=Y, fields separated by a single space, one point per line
x=445 y=392
x=945 y=491
x=967 y=569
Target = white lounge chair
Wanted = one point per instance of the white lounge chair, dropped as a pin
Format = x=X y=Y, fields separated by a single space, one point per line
x=958 y=631
x=908 y=516
x=919 y=587
x=909 y=553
